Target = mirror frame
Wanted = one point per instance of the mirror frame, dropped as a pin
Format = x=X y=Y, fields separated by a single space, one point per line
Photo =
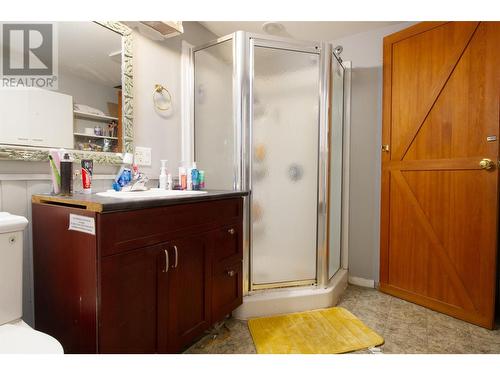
x=27 y=153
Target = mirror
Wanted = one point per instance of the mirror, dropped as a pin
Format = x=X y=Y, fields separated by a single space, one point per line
x=87 y=110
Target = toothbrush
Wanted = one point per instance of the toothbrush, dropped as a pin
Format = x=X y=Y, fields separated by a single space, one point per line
x=56 y=177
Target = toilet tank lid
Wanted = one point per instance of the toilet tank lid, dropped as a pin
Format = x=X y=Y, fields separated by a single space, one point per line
x=12 y=223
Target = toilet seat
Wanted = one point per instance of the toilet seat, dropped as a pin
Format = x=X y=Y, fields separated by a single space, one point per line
x=18 y=337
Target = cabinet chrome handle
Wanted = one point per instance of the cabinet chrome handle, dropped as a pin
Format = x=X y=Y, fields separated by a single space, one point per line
x=166 y=261
x=176 y=257
x=231 y=231
x=231 y=273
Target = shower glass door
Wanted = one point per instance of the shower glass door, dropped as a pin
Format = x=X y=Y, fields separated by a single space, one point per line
x=284 y=164
x=214 y=129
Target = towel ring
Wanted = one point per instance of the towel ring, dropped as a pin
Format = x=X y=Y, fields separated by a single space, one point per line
x=162 y=91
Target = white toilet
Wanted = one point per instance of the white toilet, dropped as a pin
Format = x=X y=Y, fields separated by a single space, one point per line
x=15 y=335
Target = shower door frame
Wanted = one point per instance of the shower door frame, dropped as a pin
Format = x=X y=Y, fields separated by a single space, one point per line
x=242 y=107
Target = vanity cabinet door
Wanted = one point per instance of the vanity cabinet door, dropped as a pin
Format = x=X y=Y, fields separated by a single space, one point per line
x=227 y=289
x=189 y=277
x=128 y=300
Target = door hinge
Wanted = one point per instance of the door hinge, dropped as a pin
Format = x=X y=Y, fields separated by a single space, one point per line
x=385 y=148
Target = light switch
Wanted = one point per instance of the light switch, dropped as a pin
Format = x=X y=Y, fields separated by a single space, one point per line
x=142 y=156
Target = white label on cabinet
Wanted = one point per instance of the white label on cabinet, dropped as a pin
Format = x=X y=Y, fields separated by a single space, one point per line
x=82 y=224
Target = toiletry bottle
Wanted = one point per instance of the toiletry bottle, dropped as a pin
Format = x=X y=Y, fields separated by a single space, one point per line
x=182 y=178
x=163 y=175
x=87 y=169
x=124 y=175
x=202 y=180
x=170 y=182
x=189 y=178
x=195 y=177
x=66 y=175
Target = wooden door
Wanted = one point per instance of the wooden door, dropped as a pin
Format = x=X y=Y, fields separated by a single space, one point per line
x=439 y=206
x=188 y=293
x=128 y=301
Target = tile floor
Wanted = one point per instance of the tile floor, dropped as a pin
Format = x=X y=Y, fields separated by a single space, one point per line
x=406 y=328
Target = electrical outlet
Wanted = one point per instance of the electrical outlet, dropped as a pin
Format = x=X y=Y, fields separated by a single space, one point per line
x=142 y=156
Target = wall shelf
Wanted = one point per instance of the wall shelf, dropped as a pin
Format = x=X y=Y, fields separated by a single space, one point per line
x=92 y=116
x=94 y=136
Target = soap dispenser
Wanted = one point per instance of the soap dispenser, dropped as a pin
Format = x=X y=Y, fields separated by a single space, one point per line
x=163 y=180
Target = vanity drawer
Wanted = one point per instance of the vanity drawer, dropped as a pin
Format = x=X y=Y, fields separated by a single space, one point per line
x=127 y=230
x=229 y=243
x=227 y=289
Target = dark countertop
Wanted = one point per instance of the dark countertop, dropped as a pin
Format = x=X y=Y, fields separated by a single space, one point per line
x=96 y=203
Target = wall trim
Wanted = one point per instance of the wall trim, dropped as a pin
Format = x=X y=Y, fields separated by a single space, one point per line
x=359 y=281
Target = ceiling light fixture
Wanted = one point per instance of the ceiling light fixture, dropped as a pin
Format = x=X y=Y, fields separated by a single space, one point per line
x=273 y=28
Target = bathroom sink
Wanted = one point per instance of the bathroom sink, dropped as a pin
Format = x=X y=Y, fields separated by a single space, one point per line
x=151 y=193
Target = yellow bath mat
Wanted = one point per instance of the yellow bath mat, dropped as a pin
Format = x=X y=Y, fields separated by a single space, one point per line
x=325 y=331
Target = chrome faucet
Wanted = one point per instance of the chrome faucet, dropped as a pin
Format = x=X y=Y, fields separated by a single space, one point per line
x=139 y=182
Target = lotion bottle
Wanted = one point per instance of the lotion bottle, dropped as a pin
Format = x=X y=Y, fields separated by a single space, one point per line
x=163 y=180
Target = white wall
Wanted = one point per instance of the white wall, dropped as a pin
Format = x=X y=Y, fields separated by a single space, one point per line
x=154 y=62
x=160 y=62
x=364 y=50
x=87 y=92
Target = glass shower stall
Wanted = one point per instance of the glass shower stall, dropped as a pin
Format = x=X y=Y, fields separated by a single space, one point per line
x=268 y=118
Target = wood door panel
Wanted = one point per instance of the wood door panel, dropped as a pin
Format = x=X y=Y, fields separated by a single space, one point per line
x=458 y=242
x=439 y=208
x=470 y=231
x=413 y=247
x=460 y=119
x=433 y=55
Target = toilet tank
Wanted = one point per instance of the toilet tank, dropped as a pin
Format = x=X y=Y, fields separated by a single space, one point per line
x=11 y=266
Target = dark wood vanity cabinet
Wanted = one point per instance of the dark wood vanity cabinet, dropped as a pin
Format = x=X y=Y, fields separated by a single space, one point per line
x=130 y=289
x=163 y=276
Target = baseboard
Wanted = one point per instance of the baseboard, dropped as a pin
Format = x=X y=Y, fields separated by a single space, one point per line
x=359 y=281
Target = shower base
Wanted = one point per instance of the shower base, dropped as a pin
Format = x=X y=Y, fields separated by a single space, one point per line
x=288 y=300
